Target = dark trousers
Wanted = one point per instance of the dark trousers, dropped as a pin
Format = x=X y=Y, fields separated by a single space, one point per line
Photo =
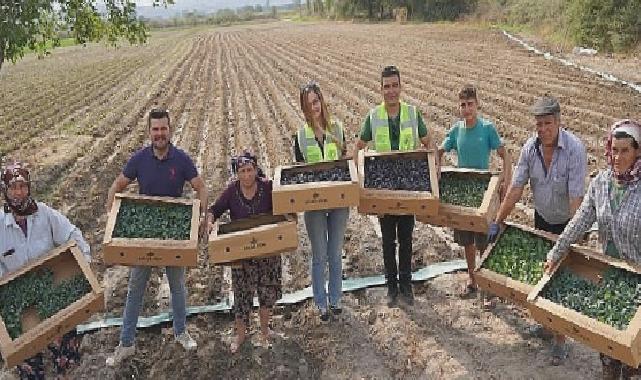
x=399 y=227
x=541 y=224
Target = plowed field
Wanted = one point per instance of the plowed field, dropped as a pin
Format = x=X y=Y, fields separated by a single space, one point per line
x=78 y=115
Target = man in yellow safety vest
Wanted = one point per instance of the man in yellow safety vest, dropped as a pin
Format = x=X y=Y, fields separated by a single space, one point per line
x=395 y=125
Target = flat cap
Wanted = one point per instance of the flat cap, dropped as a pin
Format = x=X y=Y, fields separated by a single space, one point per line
x=545 y=105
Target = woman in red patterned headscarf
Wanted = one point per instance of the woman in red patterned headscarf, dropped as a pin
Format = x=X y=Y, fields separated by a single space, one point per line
x=28 y=230
x=614 y=202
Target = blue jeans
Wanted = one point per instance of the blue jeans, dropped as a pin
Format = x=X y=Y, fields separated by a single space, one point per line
x=326 y=231
x=138 y=277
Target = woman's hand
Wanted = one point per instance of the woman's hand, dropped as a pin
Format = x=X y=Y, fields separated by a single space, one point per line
x=210 y=223
x=547 y=267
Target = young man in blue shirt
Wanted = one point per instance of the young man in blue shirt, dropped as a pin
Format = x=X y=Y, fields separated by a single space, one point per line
x=474 y=138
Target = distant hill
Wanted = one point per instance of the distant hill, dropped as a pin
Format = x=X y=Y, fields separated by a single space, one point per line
x=201 y=6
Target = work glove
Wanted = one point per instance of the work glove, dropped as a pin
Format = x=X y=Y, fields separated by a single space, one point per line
x=493 y=232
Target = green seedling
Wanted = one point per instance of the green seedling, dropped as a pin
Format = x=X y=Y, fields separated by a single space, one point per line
x=519 y=255
x=165 y=221
x=36 y=289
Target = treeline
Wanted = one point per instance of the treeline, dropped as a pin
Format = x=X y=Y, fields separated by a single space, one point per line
x=418 y=10
x=220 y=17
x=608 y=25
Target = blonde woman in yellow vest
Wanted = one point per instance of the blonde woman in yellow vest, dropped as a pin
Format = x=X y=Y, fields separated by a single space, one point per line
x=395 y=125
x=321 y=138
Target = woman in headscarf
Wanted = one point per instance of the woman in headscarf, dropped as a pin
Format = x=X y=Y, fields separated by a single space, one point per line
x=28 y=230
x=321 y=138
x=250 y=194
x=614 y=202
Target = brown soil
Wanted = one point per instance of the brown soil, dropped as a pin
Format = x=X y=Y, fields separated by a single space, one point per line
x=237 y=87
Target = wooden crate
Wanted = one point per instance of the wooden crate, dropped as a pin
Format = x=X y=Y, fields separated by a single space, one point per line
x=499 y=284
x=398 y=202
x=65 y=262
x=468 y=218
x=260 y=236
x=624 y=345
x=288 y=199
x=151 y=252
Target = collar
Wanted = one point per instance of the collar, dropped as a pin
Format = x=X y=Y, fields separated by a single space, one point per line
x=171 y=152
x=400 y=107
x=10 y=220
x=561 y=143
x=478 y=122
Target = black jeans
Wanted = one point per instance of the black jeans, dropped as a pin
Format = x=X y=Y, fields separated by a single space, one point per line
x=401 y=227
x=541 y=224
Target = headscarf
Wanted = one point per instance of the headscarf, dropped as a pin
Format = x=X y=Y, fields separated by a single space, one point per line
x=632 y=128
x=246 y=158
x=21 y=207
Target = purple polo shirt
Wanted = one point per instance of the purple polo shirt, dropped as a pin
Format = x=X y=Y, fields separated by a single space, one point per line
x=166 y=177
x=239 y=207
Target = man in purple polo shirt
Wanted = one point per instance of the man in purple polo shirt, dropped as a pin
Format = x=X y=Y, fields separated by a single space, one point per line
x=161 y=169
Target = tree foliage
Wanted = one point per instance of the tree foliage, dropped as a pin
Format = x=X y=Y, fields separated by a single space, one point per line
x=37 y=24
x=606 y=24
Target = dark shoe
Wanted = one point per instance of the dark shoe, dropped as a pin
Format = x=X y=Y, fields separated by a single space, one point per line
x=612 y=368
x=612 y=372
x=392 y=295
x=407 y=295
x=335 y=310
x=469 y=291
x=628 y=372
x=324 y=316
x=538 y=331
x=559 y=353
x=489 y=301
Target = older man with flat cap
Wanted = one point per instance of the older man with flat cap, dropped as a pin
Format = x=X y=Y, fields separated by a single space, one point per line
x=555 y=163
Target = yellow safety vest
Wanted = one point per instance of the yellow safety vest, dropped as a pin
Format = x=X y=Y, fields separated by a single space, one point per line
x=310 y=148
x=379 y=122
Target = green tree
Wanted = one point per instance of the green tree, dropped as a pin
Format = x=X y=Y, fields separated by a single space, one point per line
x=36 y=24
x=606 y=24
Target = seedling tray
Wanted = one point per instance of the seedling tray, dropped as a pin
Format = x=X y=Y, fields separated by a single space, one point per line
x=398 y=202
x=599 y=291
x=163 y=250
x=476 y=214
x=258 y=236
x=32 y=333
x=316 y=195
x=511 y=266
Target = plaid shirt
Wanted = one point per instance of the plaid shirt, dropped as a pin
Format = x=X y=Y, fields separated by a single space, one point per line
x=622 y=227
x=552 y=188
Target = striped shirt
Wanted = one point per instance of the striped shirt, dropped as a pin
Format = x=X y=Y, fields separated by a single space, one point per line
x=552 y=188
x=621 y=226
x=46 y=229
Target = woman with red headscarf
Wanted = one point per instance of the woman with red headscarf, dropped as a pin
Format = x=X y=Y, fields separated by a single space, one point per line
x=28 y=230
x=614 y=202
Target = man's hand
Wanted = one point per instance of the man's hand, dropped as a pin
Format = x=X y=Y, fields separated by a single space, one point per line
x=203 y=227
x=502 y=190
x=547 y=267
x=210 y=223
x=493 y=231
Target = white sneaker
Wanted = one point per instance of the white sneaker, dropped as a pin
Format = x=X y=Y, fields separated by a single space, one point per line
x=186 y=341
x=120 y=354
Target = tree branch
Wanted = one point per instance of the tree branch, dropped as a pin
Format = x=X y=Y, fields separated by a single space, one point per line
x=1 y=53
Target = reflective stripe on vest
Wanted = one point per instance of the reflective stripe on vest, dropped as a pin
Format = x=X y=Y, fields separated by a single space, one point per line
x=309 y=146
x=379 y=122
